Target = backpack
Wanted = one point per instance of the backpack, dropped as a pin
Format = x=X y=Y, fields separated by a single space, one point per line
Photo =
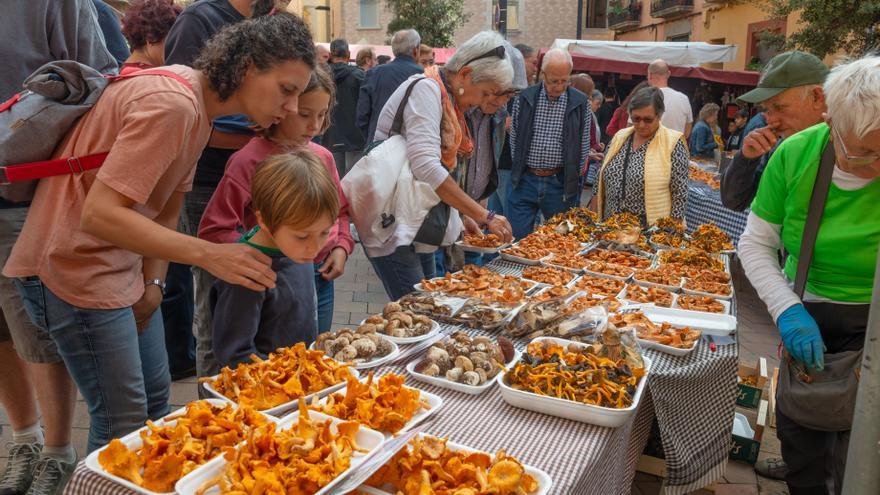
x=34 y=122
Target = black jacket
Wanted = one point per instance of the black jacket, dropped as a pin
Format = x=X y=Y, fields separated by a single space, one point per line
x=378 y=85
x=739 y=182
x=343 y=134
x=574 y=130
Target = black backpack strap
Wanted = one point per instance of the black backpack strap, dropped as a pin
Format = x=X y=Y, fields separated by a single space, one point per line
x=397 y=125
x=814 y=217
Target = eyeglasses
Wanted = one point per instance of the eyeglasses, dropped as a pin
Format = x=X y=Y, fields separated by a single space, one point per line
x=855 y=161
x=643 y=120
x=497 y=52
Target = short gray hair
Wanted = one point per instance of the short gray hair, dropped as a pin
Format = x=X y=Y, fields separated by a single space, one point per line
x=405 y=41
x=597 y=95
x=556 y=55
x=852 y=93
x=488 y=69
x=648 y=96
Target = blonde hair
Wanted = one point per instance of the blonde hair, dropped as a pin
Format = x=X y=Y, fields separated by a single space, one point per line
x=365 y=54
x=319 y=80
x=708 y=110
x=293 y=189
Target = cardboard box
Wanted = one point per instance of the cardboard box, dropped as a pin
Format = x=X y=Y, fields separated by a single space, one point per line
x=747 y=395
x=746 y=447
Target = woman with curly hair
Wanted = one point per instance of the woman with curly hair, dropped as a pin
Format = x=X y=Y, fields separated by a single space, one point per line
x=92 y=255
x=145 y=25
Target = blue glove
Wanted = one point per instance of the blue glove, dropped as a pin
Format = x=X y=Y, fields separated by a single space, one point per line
x=801 y=337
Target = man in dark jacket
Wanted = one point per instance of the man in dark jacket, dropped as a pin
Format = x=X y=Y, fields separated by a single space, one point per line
x=382 y=80
x=343 y=138
x=549 y=142
x=790 y=90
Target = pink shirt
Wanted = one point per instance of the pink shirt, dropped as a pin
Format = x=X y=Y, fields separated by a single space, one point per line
x=229 y=211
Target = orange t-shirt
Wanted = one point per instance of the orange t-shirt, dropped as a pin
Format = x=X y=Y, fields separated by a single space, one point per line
x=155 y=129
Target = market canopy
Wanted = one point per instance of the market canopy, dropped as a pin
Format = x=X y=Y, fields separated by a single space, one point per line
x=688 y=54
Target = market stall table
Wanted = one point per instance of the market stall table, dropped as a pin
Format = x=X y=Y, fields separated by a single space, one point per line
x=691 y=396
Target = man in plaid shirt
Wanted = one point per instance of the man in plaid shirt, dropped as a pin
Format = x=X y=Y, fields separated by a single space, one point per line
x=549 y=142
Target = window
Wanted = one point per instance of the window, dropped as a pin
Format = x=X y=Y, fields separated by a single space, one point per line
x=512 y=15
x=595 y=12
x=369 y=14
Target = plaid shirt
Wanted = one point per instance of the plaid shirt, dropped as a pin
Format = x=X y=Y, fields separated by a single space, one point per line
x=546 y=149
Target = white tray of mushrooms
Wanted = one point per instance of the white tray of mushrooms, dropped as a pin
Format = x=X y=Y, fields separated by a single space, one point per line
x=462 y=363
x=399 y=325
x=362 y=349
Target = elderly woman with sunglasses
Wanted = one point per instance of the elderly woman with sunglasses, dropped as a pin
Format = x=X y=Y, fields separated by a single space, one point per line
x=438 y=140
x=830 y=319
x=645 y=171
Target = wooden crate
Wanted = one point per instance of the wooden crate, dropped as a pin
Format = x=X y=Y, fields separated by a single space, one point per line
x=771 y=411
x=747 y=395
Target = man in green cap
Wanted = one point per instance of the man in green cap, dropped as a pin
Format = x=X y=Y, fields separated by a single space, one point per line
x=790 y=90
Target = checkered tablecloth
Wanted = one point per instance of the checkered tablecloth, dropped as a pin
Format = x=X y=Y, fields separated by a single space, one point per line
x=704 y=206
x=693 y=399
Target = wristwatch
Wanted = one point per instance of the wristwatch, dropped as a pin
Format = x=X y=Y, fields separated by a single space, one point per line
x=156 y=282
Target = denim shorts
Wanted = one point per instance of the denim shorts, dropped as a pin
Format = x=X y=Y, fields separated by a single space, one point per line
x=32 y=342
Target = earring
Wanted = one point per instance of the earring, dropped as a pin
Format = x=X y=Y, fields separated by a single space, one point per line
x=460 y=91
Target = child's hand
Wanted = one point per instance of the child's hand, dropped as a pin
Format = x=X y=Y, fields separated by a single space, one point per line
x=240 y=264
x=334 y=265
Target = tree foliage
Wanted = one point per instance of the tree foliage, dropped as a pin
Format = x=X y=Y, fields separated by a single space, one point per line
x=435 y=20
x=827 y=26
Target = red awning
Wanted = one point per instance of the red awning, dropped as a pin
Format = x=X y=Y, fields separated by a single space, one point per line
x=583 y=63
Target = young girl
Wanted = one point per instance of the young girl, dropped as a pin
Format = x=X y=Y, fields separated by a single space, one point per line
x=229 y=213
x=295 y=203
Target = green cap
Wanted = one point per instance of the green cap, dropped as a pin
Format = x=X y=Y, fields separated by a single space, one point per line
x=784 y=71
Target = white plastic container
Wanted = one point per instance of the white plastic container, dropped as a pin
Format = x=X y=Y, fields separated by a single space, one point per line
x=623 y=293
x=366 y=438
x=440 y=381
x=479 y=249
x=667 y=349
x=133 y=441
x=279 y=410
x=543 y=479
x=575 y=411
x=692 y=292
x=434 y=403
x=724 y=303
x=435 y=327
x=709 y=323
x=517 y=259
x=395 y=351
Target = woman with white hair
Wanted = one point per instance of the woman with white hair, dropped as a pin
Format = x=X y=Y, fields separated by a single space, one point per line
x=438 y=140
x=824 y=178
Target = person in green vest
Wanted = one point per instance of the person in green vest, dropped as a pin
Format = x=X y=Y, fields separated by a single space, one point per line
x=832 y=315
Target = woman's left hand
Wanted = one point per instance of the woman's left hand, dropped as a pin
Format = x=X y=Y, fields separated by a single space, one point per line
x=145 y=307
x=334 y=265
x=501 y=227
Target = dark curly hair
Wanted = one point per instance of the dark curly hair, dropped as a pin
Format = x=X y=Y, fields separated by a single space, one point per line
x=148 y=21
x=262 y=41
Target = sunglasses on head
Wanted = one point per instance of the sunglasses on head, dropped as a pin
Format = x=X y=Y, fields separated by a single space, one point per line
x=497 y=52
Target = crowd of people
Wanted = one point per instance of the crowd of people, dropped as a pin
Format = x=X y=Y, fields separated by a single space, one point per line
x=218 y=221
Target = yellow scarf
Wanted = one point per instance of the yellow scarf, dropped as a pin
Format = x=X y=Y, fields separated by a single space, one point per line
x=658 y=171
x=455 y=136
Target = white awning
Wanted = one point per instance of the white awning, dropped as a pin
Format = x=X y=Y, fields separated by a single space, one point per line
x=673 y=52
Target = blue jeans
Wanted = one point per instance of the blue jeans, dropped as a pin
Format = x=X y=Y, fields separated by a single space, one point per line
x=470 y=258
x=122 y=376
x=402 y=269
x=324 y=291
x=177 y=313
x=536 y=194
x=498 y=199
